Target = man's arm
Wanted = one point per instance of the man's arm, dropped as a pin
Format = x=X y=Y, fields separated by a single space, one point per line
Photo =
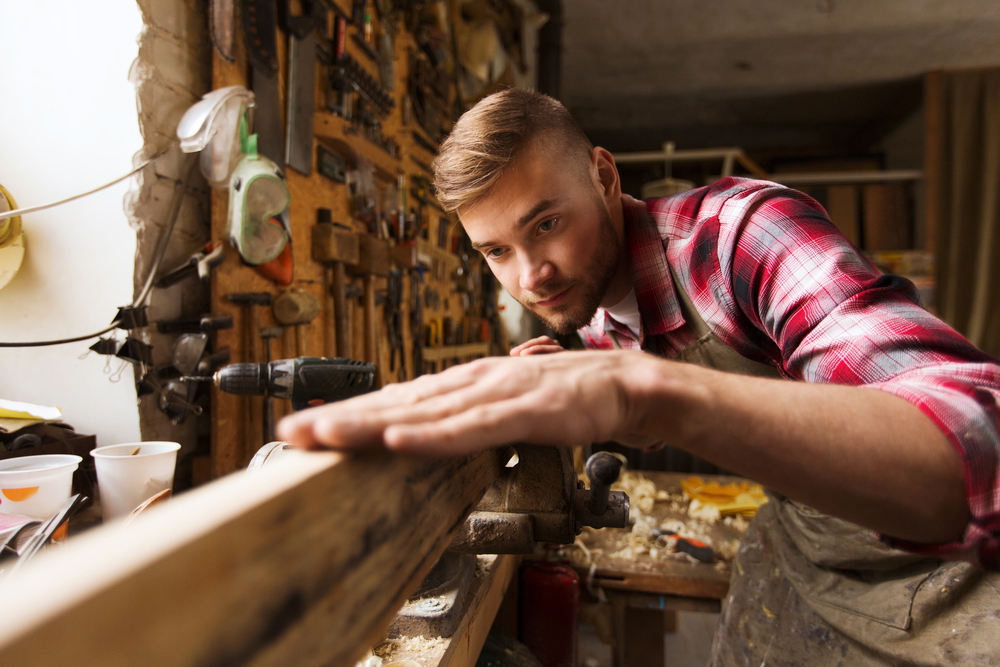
x=861 y=454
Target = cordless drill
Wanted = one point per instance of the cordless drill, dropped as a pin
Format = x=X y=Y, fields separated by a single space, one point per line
x=307 y=381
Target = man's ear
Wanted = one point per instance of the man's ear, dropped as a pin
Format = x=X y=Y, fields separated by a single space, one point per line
x=605 y=174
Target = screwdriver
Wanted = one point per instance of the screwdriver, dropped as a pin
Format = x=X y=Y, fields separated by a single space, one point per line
x=695 y=548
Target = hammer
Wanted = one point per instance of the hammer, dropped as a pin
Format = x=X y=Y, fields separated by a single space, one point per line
x=251 y=321
x=373 y=261
x=293 y=309
x=269 y=333
x=249 y=301
x=334 y=246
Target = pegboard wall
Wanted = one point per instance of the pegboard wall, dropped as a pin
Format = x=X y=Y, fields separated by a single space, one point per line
x=380 y=272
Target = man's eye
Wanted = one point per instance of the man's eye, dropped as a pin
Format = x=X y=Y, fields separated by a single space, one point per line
x=494 y=253
x=547 y=225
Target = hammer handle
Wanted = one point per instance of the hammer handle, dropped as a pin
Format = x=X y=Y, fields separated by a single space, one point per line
x=340 y=310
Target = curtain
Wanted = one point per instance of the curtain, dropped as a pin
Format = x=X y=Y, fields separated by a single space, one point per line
x=968 y=203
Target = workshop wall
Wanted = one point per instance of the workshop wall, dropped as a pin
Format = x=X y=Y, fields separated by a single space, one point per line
x=68 y=123
x=171 y=72
x=388 y=81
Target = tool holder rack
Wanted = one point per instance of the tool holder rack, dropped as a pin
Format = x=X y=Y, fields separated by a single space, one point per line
x=236 y=423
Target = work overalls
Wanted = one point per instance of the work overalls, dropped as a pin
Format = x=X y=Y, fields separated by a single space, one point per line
x=812 y=590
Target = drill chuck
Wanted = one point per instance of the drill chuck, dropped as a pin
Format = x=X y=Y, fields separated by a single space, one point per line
x=305 y=380
x=243 y=379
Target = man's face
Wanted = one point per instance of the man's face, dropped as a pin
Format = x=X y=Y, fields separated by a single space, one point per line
x=548 y=237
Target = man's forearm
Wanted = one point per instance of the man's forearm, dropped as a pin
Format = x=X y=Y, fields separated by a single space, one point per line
x=861 y=454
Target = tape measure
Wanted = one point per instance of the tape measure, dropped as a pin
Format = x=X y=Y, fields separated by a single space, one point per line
x=11 y=239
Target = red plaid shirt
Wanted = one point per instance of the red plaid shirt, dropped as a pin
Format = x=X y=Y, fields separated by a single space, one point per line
x=776 y=281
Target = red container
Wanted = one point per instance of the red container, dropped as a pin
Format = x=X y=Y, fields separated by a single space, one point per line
x=549 y=611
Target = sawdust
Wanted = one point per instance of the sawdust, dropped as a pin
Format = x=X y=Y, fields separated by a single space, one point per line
x=483 y=564
x=425 y=651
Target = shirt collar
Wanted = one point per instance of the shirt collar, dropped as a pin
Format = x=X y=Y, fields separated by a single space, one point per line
x=651 y=278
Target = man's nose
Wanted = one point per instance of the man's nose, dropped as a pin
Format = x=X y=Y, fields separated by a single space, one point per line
x=535 y=272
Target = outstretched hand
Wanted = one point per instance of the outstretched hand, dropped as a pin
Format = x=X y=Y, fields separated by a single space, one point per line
x=561 y=399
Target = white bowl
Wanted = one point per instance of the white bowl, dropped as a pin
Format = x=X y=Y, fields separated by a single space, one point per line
x=36 y=486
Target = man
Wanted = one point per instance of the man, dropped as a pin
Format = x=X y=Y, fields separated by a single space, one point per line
x=893 y=428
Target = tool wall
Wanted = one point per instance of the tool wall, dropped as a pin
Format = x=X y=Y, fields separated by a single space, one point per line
x=352 y=100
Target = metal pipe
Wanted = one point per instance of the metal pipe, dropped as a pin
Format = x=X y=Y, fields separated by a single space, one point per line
x=836 y=177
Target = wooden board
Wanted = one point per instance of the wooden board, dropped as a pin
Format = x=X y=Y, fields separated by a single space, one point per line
x=461 y=649
x=303 y=562
x=934 y=157
x=887 y=221
x=842 y=203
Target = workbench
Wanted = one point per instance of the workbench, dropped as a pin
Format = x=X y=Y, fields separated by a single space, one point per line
x=640 y=589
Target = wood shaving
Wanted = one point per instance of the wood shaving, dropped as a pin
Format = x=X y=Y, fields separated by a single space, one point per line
x=370 y=660
x=483 y=564
x=728 y=549
x=642 y=492
x=702 y=512
x=641 y=539
x=737 y=522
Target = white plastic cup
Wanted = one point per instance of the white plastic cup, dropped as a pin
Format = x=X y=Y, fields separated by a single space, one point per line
x=126 y=480
x=36 y=486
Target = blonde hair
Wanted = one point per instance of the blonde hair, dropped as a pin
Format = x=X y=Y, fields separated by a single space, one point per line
x=490 y=136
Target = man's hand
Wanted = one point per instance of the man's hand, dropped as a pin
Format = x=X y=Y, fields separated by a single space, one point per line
x=564 y=399
x=540 y=345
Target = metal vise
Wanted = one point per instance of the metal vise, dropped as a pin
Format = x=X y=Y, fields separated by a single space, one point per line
x=537 y=498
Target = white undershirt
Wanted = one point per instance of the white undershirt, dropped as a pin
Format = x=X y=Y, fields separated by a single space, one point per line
x=626 y=312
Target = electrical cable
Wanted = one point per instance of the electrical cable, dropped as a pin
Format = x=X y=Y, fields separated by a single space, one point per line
x=32 y=209
x=44 y=343
x=161 y=243
x=161 y=248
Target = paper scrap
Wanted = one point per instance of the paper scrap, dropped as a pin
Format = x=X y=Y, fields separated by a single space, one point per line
x=18 y=410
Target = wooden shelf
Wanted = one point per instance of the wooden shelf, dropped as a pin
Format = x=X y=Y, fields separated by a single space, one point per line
x=333 y=127
x=456 y=351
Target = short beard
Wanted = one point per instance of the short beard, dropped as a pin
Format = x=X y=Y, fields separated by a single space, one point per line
x=603 y=266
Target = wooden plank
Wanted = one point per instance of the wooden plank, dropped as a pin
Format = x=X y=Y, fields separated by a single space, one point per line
x=638 y=634
x=301 y=563
x=842 y=203
x=332 y=127
x=670 y=603
x=456 y=351
x=695 y=582
x=755 y=169
x=887 y=224
x=934 y=119
x=464 y=648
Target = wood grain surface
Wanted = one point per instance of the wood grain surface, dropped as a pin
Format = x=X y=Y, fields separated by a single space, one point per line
x=302 y=563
